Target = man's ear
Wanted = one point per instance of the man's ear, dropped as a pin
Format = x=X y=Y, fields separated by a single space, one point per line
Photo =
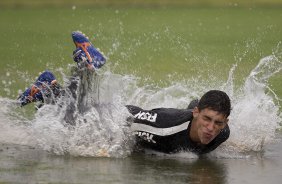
x=196 y=112
x=226 y=122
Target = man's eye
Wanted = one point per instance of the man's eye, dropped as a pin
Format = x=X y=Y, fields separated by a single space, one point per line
x=219 y=123
x=206 y=118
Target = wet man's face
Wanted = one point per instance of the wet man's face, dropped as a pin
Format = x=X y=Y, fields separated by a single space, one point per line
x=206 y=125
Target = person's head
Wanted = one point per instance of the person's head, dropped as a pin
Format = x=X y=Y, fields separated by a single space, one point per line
x=215 y=100
x=210 y=116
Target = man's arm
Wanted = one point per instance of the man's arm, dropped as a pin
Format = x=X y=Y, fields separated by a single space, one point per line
x=158 y=129
x=160 y=117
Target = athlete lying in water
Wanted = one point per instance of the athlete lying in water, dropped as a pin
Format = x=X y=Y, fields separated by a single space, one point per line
x=200 y=128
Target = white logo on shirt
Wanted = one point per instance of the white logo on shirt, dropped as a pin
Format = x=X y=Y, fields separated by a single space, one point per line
x=146 y=136
x=146 y=116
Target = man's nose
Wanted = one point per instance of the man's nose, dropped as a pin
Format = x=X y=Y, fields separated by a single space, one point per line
x=210 y=126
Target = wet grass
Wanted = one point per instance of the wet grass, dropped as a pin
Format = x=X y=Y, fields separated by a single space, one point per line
x=162 y=44
x=139 y=3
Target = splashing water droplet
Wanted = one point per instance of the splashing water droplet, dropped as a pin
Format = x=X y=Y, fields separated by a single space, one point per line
x=89 y=120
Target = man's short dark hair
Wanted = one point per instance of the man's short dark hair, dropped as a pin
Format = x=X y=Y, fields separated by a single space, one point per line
x=216 y=100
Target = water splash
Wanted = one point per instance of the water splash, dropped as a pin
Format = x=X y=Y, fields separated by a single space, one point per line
x=83 y=122
x=255 y=115
x=89 y=120
x=14 y=126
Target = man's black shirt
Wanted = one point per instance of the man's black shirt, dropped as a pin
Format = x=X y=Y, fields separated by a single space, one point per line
x=167 y=130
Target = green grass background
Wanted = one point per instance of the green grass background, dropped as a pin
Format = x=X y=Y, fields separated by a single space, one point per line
x=154 y=43
x=141 y=3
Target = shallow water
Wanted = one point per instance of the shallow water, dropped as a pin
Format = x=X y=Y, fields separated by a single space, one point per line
x=24 y=164
x=87 y=140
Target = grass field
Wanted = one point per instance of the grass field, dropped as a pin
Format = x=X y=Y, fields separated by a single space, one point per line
x=146 y=42
x=140 y=3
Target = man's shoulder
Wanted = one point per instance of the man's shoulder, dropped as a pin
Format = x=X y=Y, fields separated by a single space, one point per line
x=224 y=133
x=160 y=117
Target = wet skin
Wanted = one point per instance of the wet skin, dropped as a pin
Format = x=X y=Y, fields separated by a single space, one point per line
x=206 y=125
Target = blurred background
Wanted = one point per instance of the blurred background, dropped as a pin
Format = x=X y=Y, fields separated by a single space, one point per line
x=160 y=53
x=169 y=40
x=141 y=3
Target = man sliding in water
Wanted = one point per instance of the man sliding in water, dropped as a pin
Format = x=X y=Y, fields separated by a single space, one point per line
x=200 y=128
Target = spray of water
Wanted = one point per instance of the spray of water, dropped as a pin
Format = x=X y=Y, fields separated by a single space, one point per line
x=256 y=116
x=90 y=118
